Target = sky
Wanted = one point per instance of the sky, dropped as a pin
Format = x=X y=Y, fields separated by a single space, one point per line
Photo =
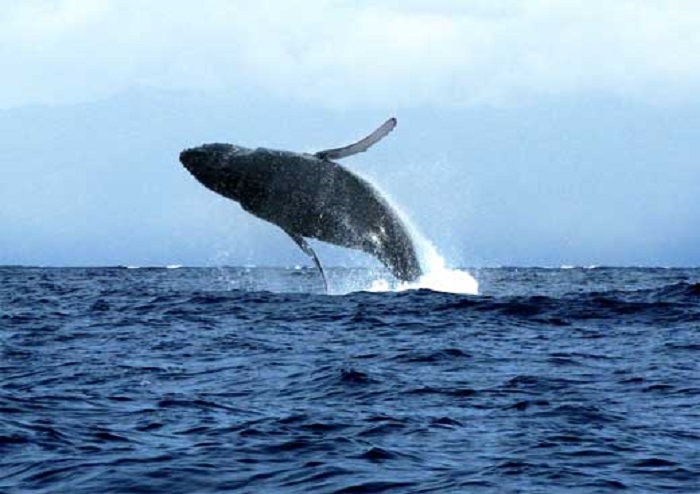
x=530 y=132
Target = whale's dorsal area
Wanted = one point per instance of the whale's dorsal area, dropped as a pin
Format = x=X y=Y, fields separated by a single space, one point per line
x=360 y=146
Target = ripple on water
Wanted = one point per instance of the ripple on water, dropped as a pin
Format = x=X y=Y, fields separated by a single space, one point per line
x=249 y=380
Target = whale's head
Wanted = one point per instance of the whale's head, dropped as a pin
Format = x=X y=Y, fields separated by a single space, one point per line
x=218 y=167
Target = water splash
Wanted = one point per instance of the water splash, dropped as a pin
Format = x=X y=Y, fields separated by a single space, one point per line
x=437 y=276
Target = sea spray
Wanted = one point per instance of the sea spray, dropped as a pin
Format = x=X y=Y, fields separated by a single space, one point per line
x=437 y=276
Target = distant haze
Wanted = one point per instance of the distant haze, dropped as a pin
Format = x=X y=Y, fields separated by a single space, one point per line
x=530 y=133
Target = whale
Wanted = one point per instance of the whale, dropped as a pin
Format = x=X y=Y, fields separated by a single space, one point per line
x=311 y=196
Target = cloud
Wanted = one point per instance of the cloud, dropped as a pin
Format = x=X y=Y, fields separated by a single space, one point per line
x=367 y=53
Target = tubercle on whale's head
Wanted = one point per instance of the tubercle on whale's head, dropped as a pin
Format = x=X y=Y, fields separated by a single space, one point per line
x=216 y=166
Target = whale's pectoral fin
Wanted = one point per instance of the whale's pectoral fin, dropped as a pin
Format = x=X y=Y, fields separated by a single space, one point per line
x=304 y=245
x=360 y=146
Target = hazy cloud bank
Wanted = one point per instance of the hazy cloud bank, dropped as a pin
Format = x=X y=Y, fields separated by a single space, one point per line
x=334 y=53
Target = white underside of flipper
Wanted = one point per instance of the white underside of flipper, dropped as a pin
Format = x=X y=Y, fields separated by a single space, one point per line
x=309 y=251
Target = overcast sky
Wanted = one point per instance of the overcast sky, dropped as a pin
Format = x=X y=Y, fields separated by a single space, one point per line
x=554 y=122
x=368 y=53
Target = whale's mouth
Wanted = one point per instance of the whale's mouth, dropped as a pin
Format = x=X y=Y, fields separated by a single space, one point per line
x=214 y=166
x=191 y=158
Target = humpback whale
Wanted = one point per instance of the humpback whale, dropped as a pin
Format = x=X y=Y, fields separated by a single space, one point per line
x=311 y=196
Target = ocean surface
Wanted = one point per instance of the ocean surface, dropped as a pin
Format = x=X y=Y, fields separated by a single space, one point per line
x=202 y=380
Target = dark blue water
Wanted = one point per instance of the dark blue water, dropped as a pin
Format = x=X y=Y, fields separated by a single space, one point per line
x=199 y=380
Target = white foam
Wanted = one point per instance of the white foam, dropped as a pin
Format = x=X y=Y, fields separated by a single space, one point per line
x=447 y=280
x=438 y=277
x=379 y=285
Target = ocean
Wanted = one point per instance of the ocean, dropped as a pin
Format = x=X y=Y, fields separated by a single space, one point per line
x=198 y=380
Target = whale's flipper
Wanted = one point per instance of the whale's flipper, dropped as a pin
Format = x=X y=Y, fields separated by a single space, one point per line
x=304 y=245
x=360 y=146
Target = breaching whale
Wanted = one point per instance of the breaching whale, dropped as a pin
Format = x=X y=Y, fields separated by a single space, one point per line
x=311 y=196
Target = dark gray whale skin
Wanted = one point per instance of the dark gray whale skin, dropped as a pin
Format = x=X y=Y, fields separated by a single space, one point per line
x=310 y=197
